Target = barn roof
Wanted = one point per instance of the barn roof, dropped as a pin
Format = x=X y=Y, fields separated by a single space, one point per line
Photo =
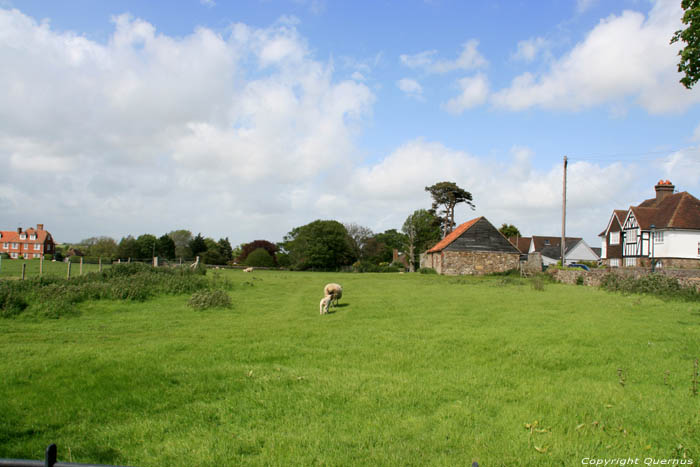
x=454 y=235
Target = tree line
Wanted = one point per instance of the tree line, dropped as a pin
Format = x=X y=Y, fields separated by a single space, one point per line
x=318 y=245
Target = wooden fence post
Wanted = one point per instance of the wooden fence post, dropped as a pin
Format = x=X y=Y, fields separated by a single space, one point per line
x=24 y=269
x=155 y=261
x=41 y=266
x=81 y=265
x=100 y=263
x=68 y=273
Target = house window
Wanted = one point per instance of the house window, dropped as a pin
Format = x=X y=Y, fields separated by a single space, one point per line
x=6 y=245
x=658 y=237
x=614 y=238
x=23 y=236
x=26 y=246
x=37 y=246
x=48 y=247
x=14 y=255
x=614 y=262
x=630 y=262
x=632 y=236
x=698 y=248
x=15 y=246
x=32 y=237
x=546 y=242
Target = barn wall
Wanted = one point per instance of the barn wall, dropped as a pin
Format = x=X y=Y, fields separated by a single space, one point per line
x=478 y=262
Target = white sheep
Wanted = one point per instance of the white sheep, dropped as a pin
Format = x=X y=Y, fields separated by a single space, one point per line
x=334 y=290
x=248 y=270
x=325 y=304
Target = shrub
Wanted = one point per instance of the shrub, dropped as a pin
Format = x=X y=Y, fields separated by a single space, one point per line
x=48 y=257
x=652 y=284
x=260 y=258
x=12 y=301
x=210 y=299
x=427 y=271
x=4 y=256
x=579 y=279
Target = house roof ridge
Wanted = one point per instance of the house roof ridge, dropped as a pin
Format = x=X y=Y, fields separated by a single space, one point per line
x=452 y=236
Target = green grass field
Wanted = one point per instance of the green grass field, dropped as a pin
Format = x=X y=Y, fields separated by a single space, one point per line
x=411 y=369
x=12 y=268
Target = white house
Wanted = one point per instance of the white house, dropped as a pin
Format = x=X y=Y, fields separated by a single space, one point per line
x=664 y=229
x=577 y=249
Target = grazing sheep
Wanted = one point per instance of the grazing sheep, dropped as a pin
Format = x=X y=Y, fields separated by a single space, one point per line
x=325 y=304
x=248 y=270
x=334 y=290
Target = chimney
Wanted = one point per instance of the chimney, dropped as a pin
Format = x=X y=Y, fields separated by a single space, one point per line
x=19 y=229
x=395 y=255
x=663 y=189
x=40 y=227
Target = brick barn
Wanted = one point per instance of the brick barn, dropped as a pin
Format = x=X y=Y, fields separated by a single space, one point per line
x=475 y=247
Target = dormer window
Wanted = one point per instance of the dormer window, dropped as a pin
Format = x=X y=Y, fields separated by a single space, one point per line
x=22 y=236
x=32 y=237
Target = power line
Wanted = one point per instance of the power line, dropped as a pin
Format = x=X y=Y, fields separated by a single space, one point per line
x=640 y=156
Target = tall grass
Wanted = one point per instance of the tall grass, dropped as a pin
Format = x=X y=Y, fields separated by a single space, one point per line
x=53 y=297
x=410 y=369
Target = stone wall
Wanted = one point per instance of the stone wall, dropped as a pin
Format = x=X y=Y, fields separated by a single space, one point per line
x=686 y=277
x=478 y=262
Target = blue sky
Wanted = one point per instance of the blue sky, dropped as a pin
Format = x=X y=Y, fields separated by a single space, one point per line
x=246 y=119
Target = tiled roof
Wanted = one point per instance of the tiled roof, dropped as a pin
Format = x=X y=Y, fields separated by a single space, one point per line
x=13 y=236
x=676 y=211
x=620 y=215
x=521 y=243
x=541 y=242
x=454 y=235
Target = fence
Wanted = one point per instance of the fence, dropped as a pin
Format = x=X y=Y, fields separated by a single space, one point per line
x=50 y=460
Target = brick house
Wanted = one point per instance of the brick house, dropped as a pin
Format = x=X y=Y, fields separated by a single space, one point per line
x=611 y=239
x=475 y=247
x=29 y=244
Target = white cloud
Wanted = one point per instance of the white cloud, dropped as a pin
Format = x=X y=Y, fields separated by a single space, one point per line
x=530 y=48
x=209 y=3
x=474 y=92
x=411 y=87
x=508 y=190
x=625 y=57
x=468 y=59
x=149 y=132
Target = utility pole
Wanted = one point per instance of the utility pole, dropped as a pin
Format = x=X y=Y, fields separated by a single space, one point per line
x=563 y=218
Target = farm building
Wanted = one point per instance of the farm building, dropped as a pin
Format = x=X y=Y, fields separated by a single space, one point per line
x=475 y=247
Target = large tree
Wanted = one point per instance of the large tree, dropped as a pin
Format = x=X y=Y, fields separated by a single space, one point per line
x=422 y=230
x=248 y=248
x=447 y=195
x=146 y=244
x=103 y=247
x=182 y=239
x=689 y=63
x=128 y=247
x=509 y=230
x=358 y=236
x=197 y=245
x=321 y=245
x=165 y=247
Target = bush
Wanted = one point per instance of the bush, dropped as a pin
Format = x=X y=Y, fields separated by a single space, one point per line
x=652 y=284
x=579 y=280
x=427 y=271
x=4 y=256
x=48 y=257
x=260 y=258
x=210 y=299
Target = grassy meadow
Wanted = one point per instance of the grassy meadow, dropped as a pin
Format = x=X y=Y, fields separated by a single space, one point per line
x=410 y=369
x=12 y=268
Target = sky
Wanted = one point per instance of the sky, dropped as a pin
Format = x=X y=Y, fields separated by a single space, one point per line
x=247 y=119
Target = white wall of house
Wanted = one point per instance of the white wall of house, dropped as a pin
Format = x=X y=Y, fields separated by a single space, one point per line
x=581 y=252
x=677 y=244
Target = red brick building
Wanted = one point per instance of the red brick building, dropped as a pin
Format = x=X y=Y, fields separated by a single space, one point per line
x=28 y=244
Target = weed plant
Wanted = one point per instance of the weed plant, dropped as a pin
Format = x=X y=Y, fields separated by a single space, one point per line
x=206 y=299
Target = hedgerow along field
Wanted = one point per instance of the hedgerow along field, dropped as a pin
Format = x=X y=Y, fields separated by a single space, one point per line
x=410 y=369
